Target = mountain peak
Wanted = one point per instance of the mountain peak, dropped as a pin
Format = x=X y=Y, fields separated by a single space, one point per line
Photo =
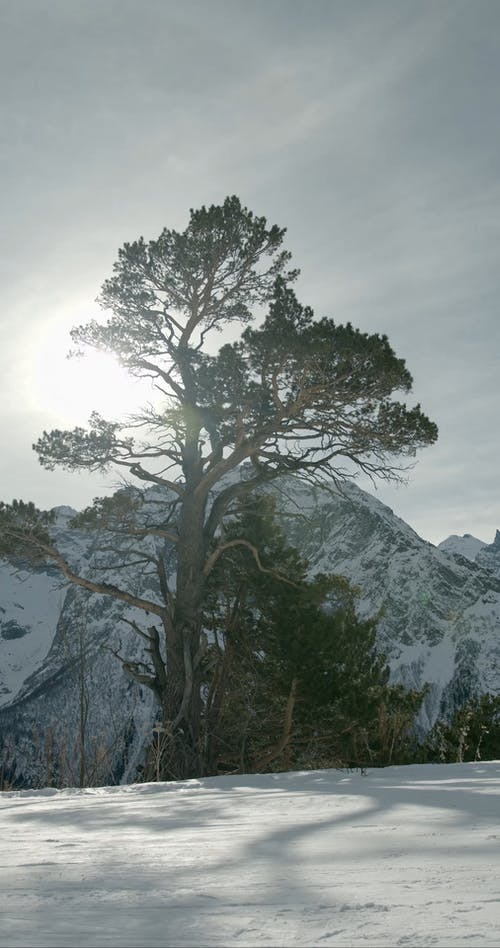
x=62 y=514
x=466 y=546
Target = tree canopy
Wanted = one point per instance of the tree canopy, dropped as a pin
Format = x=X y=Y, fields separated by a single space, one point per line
x=293 y=395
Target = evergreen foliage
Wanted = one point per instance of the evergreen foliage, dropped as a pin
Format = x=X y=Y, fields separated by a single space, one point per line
x=473 y=733
x=24 y=531
x=294 y=678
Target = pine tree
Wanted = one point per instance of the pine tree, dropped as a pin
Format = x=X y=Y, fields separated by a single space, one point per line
x=294 y=395
x=294 y=676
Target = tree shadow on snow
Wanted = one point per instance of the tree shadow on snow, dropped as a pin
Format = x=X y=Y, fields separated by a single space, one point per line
x=186 y=865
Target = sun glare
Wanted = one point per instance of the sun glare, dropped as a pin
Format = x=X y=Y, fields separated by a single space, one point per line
x=70 y=389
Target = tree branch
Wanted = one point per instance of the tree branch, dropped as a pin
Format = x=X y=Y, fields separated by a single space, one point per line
x=217 y=553
x=104 y=589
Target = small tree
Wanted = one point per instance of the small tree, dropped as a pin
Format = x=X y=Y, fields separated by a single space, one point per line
x=242 y=708
x=293 y=675
x=294 y=395
x=322 y=660
x=473 y=733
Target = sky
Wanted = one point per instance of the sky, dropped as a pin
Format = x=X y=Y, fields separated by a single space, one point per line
x=403 y=856
x=369 y=129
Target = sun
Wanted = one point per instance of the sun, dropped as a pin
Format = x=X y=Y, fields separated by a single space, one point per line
x=70 y=389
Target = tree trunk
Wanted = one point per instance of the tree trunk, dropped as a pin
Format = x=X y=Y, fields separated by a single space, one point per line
x=278 y=748
x=183 y=642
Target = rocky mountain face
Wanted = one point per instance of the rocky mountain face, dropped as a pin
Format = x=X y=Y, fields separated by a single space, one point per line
x=65 y=697
x=489 y=556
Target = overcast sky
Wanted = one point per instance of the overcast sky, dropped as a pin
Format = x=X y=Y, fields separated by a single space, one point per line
x=370 y=129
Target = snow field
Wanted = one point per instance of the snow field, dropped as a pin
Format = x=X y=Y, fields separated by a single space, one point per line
x=404 y=856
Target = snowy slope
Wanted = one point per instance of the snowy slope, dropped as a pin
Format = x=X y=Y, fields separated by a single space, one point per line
x=30 y=606
x=32 y=601
x=405 y=856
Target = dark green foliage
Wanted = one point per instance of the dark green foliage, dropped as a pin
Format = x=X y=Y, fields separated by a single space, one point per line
x=120 y=511
x=279 y=644
x=472 y=734
x=79 y=448
x=24 y=531
x=223 y=248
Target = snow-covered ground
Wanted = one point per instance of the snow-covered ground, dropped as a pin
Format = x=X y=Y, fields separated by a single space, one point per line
x=402 y=856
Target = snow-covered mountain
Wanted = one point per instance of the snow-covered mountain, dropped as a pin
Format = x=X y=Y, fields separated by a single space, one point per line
x=440 y=613
x=440 y=624
x=467 y=546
